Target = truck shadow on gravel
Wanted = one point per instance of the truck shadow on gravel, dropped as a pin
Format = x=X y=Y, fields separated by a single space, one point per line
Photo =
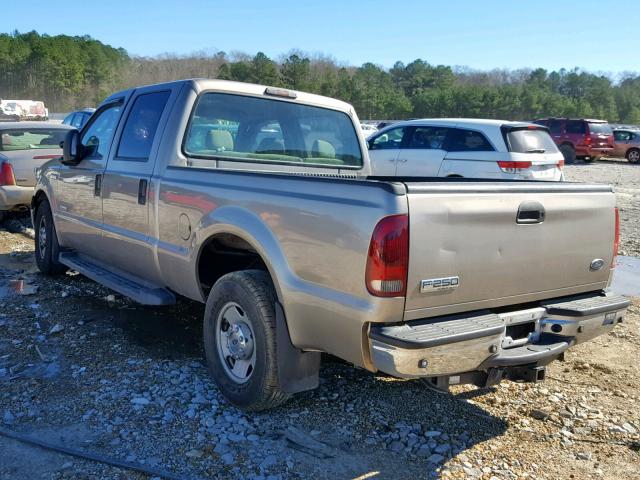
x=355 y=424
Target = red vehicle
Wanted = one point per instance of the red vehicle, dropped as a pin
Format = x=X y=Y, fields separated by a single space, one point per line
x=582 y=138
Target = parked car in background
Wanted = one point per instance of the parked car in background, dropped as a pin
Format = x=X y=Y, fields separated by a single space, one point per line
x=78 y=118
x=585 y=139
x=368 y=129
x=24 y=109
x=25 y=146
x=627 y=144
x=472 y=148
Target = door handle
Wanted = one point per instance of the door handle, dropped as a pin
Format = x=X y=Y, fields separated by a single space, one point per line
x=142 y=192
x=97 y=186
x=402 y=160
x=530 y=212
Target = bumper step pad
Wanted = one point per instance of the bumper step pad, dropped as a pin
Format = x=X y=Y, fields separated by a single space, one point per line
x=586 y=306
x=431 y=333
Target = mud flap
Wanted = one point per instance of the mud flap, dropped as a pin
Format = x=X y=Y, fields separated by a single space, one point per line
x=297 y=370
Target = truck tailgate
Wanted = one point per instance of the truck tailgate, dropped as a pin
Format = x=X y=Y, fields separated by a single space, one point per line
x=470 y=247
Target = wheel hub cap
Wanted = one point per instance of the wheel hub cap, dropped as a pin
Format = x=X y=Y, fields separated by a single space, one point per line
x=239 y=341
x=42 y=238
x=235 y=342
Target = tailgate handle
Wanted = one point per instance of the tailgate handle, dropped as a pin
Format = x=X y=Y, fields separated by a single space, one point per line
x=530 y=212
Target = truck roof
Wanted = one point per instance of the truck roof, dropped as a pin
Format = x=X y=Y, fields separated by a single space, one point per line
x=204 y=84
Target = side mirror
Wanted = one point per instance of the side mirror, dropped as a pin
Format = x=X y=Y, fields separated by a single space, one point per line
x=71 y=148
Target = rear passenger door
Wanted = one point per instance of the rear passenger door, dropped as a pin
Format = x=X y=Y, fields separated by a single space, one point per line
x=423 y=152
x=127 y=179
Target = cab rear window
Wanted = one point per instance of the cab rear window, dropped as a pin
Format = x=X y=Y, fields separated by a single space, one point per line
x=530 y=141
x=31 y=139
x=260 y=130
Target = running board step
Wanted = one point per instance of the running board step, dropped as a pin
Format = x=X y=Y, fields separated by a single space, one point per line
x=126 y=284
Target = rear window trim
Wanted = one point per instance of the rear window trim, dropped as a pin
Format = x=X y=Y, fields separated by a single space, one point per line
x=219 y=158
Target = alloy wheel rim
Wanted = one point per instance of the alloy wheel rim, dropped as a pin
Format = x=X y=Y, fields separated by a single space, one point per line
x=42 y=237
x=634 y=156
x=235 y=342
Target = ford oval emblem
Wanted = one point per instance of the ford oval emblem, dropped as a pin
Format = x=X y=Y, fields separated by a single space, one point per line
x=596 y=264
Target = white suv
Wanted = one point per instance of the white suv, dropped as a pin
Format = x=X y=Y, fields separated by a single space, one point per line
x=459 y=147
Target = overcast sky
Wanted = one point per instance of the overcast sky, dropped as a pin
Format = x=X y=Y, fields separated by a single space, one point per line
x=594 y=35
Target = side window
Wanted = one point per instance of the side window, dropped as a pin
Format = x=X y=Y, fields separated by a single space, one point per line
x=68 y=119
x=78 y=120
x=555 y=127
x=467 y=141
x=622 y=136
x=389 y=140
x=97 y=137
x=576 y=126
x=141 y=125
x=427 y=138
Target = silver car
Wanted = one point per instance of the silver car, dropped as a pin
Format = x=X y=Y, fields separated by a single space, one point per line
x=25 y=146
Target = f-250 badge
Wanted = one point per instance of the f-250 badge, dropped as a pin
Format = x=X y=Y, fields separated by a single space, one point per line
x=437 y=284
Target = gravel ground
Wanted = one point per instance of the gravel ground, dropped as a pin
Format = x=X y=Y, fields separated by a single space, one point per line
x=88 y=369
x=625 y=178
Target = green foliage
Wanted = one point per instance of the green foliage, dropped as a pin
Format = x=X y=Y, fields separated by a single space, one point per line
x=70 y=72
x=66 y=72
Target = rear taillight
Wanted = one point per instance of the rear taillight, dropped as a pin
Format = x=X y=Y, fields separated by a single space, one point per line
x=616 y=238
x=587 y=139
x=560 y=164
x=388 y=259
x=6 y=174
x=513 y=167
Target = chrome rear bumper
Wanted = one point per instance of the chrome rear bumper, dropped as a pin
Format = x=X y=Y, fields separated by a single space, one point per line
x=485 y=340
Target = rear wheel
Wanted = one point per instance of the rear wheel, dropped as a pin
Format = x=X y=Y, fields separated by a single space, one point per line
x=633 y=155
x=46 y=240
x=569 y=153
x=2 y=214
x=240 y=340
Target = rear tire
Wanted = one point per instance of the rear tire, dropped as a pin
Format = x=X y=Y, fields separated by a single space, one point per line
x=2 y=214
x=633 y=155
x=240 y=340
x=569 y=153
x=46 y=242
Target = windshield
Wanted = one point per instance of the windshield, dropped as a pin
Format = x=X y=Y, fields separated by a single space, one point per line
x=530 y=141
x=32 y=139
x=600 y=128
x=271 y=131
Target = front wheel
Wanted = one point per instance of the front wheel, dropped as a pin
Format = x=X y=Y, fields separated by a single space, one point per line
x=240 y=340
x=633 y=155
x=46 y=242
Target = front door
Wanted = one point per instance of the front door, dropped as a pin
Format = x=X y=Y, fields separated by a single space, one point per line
x=127 y=183
x=422 y=152
x=78 y=208
x=383 y=151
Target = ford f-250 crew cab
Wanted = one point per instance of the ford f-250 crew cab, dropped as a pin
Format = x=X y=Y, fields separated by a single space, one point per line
x=258 y=201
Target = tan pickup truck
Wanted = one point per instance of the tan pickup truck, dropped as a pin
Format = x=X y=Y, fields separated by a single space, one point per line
x=258 y=201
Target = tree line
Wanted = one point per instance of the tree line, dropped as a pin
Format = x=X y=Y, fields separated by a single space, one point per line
x=72 y=72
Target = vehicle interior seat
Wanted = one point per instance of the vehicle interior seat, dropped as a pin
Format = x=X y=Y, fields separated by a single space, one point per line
x=219 y=140
x=323 y=149
x=271 y=145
